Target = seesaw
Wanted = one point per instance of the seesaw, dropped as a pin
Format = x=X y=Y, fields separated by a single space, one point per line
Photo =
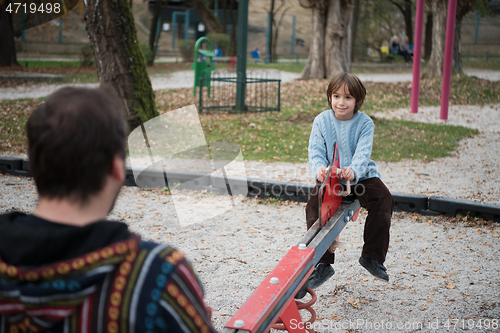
x=272 y=305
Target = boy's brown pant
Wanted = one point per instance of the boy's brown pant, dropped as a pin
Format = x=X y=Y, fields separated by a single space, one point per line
x=376 y=198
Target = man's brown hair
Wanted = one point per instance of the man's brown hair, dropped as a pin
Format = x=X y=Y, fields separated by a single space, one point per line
x=72 y=140
x=353 y=83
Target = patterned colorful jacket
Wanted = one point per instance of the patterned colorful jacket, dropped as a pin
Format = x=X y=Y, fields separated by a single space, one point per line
x=128 y=286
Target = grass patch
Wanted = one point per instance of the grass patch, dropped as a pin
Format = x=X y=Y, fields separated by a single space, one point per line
x=464 y=91
x=49 y=64
x=262 y=137
x=395 y=139
x=281 y=66
x=13 y=115
x=493 y=64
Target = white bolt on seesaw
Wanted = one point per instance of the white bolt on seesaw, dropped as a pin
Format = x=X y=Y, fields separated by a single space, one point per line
x=239 y=323
x=274 y=280
x=302 y=246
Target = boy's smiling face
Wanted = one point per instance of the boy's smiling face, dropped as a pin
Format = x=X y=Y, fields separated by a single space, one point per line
x=343 y=103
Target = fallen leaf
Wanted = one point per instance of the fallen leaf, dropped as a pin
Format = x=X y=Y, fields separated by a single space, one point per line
x=450 y=286
x=423 y=308
x=354 y=302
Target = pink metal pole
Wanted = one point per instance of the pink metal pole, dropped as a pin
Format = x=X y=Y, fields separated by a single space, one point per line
x=417 y=53
x=448 y=57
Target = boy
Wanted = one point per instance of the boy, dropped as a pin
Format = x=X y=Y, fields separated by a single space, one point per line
x=353 y=132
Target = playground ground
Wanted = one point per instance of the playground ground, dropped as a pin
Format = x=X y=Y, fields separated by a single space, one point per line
x=444 y=272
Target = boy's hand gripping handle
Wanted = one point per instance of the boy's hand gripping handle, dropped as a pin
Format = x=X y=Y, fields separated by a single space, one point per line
x=347 y=185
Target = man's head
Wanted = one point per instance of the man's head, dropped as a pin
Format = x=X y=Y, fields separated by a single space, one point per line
x=73 y=139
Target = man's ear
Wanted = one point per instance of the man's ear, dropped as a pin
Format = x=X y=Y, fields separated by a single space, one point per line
x=118 y=170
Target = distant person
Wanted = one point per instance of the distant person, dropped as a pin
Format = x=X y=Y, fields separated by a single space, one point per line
x=397 y=50
x=353 y=131
x=256 y=55
x=65 y=268
x=406 y=47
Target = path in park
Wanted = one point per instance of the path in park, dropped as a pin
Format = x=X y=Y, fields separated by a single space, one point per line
x=185 y=79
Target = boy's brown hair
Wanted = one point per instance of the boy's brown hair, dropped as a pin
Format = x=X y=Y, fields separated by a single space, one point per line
x=353 y=83
x=73 y=139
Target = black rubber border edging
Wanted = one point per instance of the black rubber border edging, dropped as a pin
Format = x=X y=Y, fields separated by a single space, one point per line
x=414 y=203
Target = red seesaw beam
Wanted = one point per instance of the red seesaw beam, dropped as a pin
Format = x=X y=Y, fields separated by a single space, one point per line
x=269 y=297
x=274 y=297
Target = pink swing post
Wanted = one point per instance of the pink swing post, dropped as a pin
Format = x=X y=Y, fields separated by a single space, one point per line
x=417 y=53
x=448 y=57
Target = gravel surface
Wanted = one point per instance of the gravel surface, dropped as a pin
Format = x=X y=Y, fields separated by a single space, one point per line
x=441 y=270
x=445 y=273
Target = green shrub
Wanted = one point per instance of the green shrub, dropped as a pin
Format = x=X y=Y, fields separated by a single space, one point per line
x=187 y=50
x=222 y=41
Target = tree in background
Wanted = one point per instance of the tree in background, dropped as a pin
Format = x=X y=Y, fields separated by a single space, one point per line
x=213 y=24
x=275 y=26
x=439 y=10
x=119 y=61
x=405 y=7
x=434 y=67
x=208 y=17
x=154 y=34
x=7 y=45
x=330 y=51
x=13 y=21
x=377 y=23
x=428 y=36
x=463 y=8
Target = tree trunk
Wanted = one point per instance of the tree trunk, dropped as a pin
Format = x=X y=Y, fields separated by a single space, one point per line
x=457 y=47
x=337 y=37
x=276 y=33
x=428 y=36
x=234 y=43
x=208 y=17
x=157 y=38
x=119 y=61
x=434 y=67
x=154 y=24
x=355 y=17
x=315 y=66
x=408 y=21
x=271 y=25
x=330 y=51
x=224 y=15
x=405 y=9
x=7 y=45
x=463 y=8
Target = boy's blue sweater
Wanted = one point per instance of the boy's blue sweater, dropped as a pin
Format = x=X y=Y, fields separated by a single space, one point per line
x=355 y=140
